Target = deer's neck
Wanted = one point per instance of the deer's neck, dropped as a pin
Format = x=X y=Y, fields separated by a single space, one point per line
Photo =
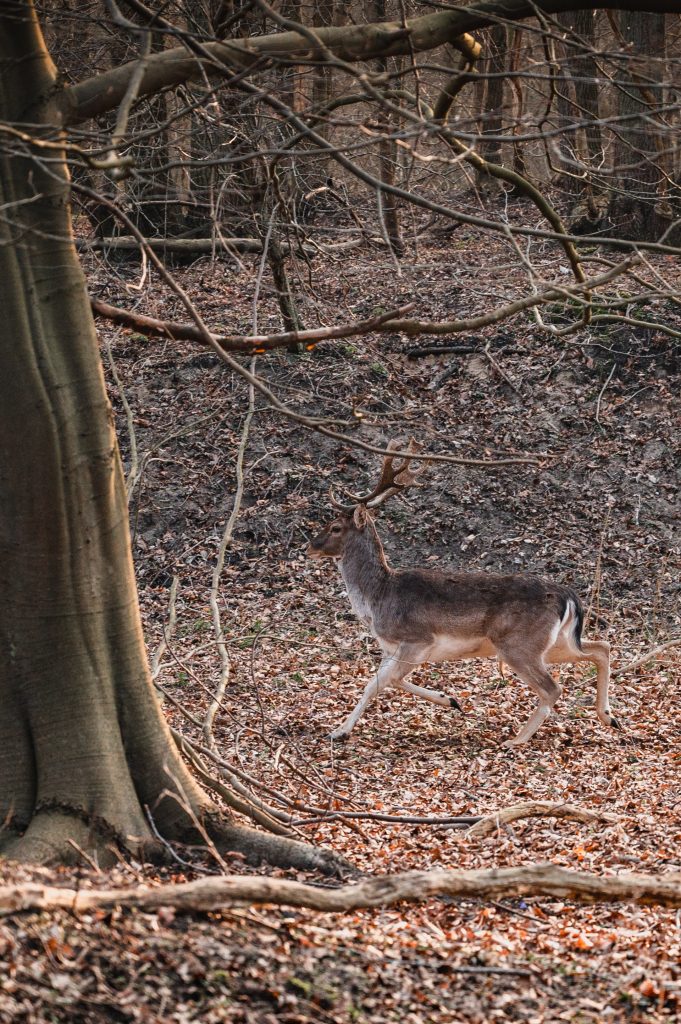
x=365 y=571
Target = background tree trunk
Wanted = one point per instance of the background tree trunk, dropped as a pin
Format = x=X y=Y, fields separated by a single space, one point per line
x=387 y=156
x=643 y=203
x=492 y=118
x=585 y=146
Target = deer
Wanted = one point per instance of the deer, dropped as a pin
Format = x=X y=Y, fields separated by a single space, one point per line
x=421 y=616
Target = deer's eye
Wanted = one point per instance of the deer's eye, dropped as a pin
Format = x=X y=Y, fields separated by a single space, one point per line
x=336 y=528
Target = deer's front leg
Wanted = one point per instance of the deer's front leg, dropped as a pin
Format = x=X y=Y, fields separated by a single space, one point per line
x=388 y=672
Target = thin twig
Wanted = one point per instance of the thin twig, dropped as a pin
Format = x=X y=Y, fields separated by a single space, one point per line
x=217 y=572
x=498 y=368
x=595 y=595
x=134 y=471
x=601 y=393
x=168 y=630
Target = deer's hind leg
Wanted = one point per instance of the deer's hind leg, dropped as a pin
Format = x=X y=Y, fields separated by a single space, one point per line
x=434 y=696
x=530 y=668
x=598 y=653
x=410 y=656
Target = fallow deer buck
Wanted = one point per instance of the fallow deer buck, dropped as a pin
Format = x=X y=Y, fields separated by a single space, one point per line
x=423 y=615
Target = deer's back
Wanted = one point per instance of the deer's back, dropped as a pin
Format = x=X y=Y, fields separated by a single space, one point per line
x=420 y=604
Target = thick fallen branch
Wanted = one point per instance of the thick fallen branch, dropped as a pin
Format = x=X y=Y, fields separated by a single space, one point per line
x=536 y=809
x=252 y=344
x=214 y=892
x=207 y=246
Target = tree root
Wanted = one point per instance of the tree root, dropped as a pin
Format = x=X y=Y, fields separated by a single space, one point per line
x=213 y=893
x=65 y=834
x=279 y=851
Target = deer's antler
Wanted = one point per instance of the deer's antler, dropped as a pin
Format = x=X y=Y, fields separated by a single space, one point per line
x=395 y=477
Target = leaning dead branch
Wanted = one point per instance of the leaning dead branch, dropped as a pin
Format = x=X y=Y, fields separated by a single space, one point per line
x=536 y=809
x=215 y=892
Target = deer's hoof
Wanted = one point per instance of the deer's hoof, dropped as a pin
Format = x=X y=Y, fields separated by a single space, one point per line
x=453 y=703
x=337 y=737
x=614 y=724
x=510 y=744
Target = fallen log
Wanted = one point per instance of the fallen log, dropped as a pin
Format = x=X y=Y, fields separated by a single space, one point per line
x=217 y=891
x=208 y=246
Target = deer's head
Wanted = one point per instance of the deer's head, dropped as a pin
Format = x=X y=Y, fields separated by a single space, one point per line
x=332 y=540
x=353 y=518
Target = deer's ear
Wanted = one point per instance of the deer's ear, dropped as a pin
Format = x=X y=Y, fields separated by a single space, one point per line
x=360 y=517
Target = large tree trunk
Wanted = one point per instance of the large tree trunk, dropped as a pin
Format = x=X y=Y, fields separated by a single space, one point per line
x=85 y=754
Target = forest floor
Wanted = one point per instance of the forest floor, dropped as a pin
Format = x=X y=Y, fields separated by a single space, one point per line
x=599 y=411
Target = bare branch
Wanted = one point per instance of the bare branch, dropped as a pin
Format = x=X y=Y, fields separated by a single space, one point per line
x=649 y=656
x=254 y=344
x=217 y=573
x=549 y=294
x=310 y=422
